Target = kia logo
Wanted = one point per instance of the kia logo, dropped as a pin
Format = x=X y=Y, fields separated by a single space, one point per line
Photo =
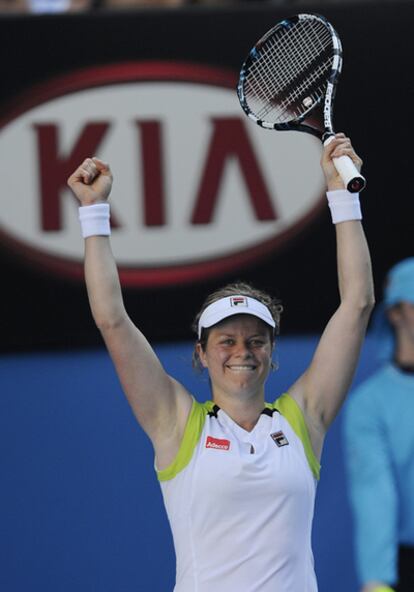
x=199 y=190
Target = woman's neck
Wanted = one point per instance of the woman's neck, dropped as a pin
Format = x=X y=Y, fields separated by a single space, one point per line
x=244 y=412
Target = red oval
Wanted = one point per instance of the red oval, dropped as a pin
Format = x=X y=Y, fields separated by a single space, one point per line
x=143 y=72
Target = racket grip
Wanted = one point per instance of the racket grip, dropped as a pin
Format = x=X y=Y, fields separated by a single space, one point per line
x=352 y=178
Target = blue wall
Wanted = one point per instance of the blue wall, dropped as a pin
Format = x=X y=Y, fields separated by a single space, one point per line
x=81 y=507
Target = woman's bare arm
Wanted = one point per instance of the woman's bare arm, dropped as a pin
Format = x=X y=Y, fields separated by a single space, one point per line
x=321 y=390
x=160 y=404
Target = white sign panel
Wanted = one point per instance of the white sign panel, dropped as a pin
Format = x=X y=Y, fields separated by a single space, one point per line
x=198 y=188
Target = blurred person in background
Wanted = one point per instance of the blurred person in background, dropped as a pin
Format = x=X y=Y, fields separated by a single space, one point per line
x=120 y=4
x=46 y=6
x=379 y=446
x=220 y=3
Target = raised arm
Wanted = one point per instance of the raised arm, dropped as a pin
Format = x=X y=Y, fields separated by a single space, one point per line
x=322 y=388
x=160 y=404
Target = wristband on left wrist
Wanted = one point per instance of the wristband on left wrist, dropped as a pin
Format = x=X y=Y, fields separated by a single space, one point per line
x=344 y=205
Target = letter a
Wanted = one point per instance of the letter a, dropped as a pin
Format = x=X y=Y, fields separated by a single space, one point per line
x=230 y=141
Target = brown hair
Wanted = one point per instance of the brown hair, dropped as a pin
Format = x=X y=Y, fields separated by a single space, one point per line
x=236 y=288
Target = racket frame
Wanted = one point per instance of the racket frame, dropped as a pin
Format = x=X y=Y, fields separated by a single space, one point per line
x=352 y=178
x=296 y=123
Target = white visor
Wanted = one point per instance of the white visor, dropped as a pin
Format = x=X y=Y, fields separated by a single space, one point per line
x=232 y=305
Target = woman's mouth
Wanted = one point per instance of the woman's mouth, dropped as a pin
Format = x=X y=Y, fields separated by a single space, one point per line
x=241 y=367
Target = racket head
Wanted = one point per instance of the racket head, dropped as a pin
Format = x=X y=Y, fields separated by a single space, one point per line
x=290 y=72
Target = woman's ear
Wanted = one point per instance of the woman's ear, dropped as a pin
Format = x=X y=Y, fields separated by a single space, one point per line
x=201 y=355
x=274 y=365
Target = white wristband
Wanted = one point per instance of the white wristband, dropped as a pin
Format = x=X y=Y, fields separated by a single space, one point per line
x=94 y=220
x=344 y=205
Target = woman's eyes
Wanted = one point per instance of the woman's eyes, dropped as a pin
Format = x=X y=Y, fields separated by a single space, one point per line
x=257 y=342
x=252 y=343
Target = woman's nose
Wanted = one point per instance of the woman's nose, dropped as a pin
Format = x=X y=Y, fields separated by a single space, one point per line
x=242 y=350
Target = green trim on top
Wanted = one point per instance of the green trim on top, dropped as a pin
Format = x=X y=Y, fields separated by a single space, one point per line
x=285 y=404
x=288 y=407
x=192 y=433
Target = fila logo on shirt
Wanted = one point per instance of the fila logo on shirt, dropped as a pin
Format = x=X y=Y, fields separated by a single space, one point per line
x=279 y=439
x=217 y=443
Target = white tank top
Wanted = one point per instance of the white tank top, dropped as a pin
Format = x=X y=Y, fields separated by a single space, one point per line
x=240 y=503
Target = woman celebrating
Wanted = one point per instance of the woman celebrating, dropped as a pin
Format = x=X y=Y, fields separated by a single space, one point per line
x=238 y=475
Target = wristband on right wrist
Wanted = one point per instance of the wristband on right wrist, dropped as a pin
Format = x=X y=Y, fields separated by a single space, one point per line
x=94 y=220
x=344 y=205
x=383 y=589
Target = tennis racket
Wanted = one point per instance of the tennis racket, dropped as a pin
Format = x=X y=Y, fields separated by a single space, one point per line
x=288 y=82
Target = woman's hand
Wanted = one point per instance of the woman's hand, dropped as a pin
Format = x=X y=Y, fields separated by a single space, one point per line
x=91 y=182
x=339 y=146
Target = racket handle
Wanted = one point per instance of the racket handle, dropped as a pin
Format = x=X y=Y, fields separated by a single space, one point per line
x=350 y=175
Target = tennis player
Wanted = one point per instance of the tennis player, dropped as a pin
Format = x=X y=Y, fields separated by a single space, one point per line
x=238 y=475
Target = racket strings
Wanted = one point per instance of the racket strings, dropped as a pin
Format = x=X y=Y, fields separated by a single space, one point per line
x=286 y=99
x=309 y=90
x=299 y=73
x=288 y=54
x=290 y=67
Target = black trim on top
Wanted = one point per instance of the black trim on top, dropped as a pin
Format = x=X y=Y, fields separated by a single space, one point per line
x=214 y=411
x=269 y=412
x=266 y=411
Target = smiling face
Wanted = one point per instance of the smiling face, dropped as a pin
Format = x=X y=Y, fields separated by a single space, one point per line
x=238 y=355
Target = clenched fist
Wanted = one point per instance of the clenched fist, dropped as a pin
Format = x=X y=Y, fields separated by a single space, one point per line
x=91 y=182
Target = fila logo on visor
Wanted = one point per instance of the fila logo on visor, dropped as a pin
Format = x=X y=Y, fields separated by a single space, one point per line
x=217 y=443
x=279 y=439
x=238 y=301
